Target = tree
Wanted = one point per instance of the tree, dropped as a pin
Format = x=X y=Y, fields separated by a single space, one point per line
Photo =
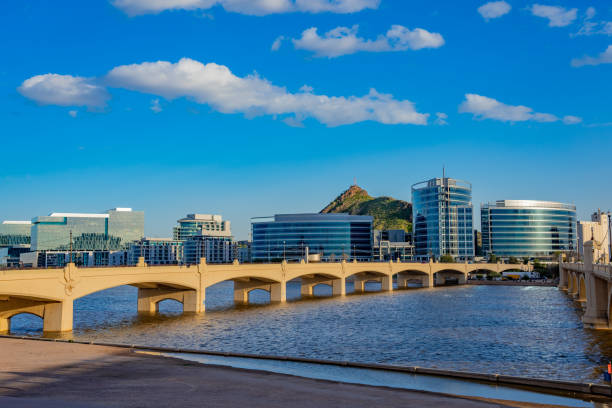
x=447 y=259
x=493 y=258
x=513 y=260
x=526 y=260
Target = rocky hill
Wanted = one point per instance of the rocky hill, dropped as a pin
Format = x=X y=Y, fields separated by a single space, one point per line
x=388 y=212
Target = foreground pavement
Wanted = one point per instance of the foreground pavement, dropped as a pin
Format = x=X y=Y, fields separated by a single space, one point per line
x=49 y=374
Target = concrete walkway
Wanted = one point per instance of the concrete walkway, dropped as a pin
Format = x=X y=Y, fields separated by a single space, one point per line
x=49 y=374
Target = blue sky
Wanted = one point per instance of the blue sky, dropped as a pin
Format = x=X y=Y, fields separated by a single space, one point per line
x=191 y=109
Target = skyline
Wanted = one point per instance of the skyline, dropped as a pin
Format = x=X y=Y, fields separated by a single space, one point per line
x=510 y=97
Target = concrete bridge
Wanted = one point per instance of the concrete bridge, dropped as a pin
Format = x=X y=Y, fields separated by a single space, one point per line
x=591 y=285
x=50 y=293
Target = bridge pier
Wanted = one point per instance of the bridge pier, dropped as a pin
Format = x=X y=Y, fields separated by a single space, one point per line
x=386 y=283
x=308 y=283
x=58 y=317
x=149 y=299
x=359 y=284
x=278 y=290
x=403 y=280
x=339 y=287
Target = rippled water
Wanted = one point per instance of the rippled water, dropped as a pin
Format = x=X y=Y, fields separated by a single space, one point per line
x=526 y=331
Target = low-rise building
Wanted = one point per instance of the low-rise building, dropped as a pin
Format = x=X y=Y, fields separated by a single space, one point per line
x=392 y=245
x=294 y=237
x=156 y=251
x=528 y=228
x=598 y=231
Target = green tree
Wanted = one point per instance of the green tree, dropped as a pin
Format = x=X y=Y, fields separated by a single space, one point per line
x=526 y=260
x=447 y=259
x=493 y=258
x=513 y=260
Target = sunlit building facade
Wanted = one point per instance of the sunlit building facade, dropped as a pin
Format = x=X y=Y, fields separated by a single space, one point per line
x=15 y=233
x=528 y=228
x=332 y=237
x=113 y=230
x=443 y=219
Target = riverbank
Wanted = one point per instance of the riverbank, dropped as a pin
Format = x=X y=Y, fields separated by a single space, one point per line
x=511 y=283
x=57 y=374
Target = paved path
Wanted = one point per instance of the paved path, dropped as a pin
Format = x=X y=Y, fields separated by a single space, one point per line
x=49 y=374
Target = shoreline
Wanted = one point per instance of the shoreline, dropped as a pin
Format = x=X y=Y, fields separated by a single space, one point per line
x=134 y=352
x=510 y=283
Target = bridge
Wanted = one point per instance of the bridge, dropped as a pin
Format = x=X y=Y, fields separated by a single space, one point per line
x=50 y=293
x=591 y=285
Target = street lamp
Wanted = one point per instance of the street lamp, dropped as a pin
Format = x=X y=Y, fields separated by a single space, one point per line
x=284 y=251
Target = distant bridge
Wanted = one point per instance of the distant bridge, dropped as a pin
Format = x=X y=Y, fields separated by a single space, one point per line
x=591 y=285
x=50 y=293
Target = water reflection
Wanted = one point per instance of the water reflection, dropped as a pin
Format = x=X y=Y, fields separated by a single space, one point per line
x=527 y=331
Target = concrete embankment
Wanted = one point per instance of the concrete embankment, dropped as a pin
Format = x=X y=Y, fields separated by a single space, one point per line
x=63 y=374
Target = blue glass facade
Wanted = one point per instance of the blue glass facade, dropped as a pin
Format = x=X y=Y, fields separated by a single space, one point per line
x=526 y=228
x=292 y=237
x=443 y=219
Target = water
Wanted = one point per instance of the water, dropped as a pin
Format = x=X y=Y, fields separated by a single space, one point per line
x=523 y=331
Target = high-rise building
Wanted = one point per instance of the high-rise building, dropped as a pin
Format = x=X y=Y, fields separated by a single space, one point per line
x=528 y=228
x=15 y=233
x=598 y=231
x=443 y=219
x=113 y=230
x=294 y=237
x=204 y=224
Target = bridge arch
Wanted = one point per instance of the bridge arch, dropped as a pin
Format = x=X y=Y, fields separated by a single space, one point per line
x=406 y=276
x=450 y=276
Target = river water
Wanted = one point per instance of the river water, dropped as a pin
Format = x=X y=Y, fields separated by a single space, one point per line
x=524 y=331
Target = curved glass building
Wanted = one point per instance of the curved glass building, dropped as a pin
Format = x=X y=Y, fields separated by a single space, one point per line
x=527 y=228
x=443 y=219
x=295 y=236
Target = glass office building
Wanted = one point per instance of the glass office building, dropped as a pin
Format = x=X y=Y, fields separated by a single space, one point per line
x=113 y=230
x=294 y=237
x=443 y=219
x=201 y=224
x=15 y=233
x=527 y=228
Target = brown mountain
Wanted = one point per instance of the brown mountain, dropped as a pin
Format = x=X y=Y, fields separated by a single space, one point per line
x=388 y=212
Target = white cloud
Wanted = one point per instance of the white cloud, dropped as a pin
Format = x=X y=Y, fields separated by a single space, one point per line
x=441 y=119
x=73 y=113
x=571 y=120
x=344 y=41
x=557 y=16
x=483 y=107
x=277 y=43
x=64 y=90
x=155 y=106
x=217 y=86
x=590 y=27
x=252 y=7
x=494 y=9
x=603 y=58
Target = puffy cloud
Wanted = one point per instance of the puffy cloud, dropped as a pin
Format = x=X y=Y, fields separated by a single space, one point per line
x=344 y=41
x=64 y=90
x=73 y=113
x=217 y=86
x=494 y=9
x=557 y=16
x=277 y=43
x=603 y=58
x=483 y=107
x=252 y=7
